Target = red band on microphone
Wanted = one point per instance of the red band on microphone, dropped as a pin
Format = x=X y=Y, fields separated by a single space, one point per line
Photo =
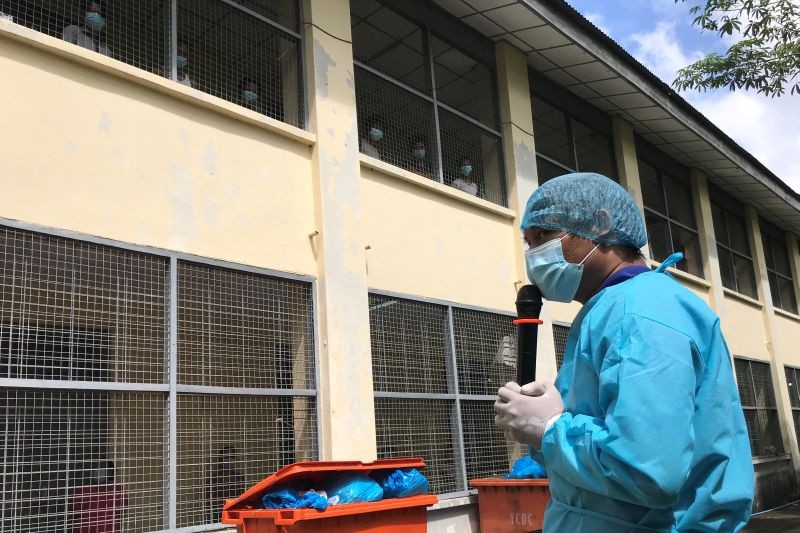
x=518 y=321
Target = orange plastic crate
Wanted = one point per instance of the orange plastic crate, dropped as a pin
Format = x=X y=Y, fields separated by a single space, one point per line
x=511 y=505
x=401 y=515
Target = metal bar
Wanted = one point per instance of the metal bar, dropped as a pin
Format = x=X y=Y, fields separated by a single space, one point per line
x=317 y=378
x=262 y=18
x=571 y=138
x=196 y=529
x=150 y=250
x=240 y=267
x=554 y=162
x=14 y=383
x=303 y=75
x=477 y=397
x=172 y=449
x=468 y=118
x=436 y=301
x=243 y=391
x=391 y=80
x=426 y=45
x=173 y=40
x=459 y=424
x=415 y=395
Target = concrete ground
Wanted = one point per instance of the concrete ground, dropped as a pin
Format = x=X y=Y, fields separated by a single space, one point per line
x=785 y=520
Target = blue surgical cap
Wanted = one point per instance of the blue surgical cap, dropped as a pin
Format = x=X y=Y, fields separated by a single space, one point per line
x=588 y=205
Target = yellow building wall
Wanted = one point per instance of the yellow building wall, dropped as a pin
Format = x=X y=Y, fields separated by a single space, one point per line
x=743 y=328
x=97 y=153
x=425 y=243
x=786 y=338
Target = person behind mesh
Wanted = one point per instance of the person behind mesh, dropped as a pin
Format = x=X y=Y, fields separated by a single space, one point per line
x=99 y=505
x=465 y=182
x=374 y=135
x=250 y=95
x=418 y=159
x=90 y=34
x=225 y=483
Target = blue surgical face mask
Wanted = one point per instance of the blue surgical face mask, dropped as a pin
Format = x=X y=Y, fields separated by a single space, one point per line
x=466 y=170
x=249 y=96
x=557 y=278
x=95 y=21
x=376 y=134
x=181 y=62
x=419 y=153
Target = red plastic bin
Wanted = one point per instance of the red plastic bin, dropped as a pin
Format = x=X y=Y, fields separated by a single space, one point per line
x=511 y=505
x=391 y=515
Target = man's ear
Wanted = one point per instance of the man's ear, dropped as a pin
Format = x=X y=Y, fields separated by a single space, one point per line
x=601 y=225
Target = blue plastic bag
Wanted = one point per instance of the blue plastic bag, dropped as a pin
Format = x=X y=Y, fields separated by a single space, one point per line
x=352 y=488
x=294 y=499
x=526 y=468
x=402 y=483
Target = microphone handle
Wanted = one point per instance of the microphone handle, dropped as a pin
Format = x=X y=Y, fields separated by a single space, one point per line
x=526 y=353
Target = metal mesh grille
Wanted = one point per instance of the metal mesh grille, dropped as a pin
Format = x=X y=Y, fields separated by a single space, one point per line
x=396 y=60
x=417 y=402
x=463 y=83
x=230 y=47
x=134 y=32
x=421 y=428
x=793 y=386
x=486 y=351
x=405 y=119
x=243 y=330
x=465 y=143
x=796 y=417
x=228 y=443
x=72 y=310
x=757 y=395
x=754 y=432
x=762 y=383
x=233 y=53
x=82 y=461
x=560 y=334
x=547 y=170
x=488 y=452
x=410 y=345
x=389 y=43
x=744 y=382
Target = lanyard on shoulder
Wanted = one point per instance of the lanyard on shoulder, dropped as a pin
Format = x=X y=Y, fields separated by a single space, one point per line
x=674 y=259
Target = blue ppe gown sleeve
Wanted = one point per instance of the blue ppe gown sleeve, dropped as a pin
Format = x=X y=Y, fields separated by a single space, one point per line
x=641 y=449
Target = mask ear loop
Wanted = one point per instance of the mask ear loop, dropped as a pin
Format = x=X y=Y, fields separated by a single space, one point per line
x=590 y=253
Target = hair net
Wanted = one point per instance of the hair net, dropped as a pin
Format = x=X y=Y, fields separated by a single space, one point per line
x=588 y=205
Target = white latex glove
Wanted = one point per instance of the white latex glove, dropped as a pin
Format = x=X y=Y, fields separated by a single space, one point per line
x=524 y=413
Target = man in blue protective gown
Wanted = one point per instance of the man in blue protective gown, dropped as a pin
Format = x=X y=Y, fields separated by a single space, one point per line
x=643 y=429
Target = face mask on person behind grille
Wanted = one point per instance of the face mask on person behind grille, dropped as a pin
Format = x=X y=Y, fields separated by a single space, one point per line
x=181 y=62
x=376 y=134
x=557 y=278
x=466 y=170
x=419 y=153
x=95 y=21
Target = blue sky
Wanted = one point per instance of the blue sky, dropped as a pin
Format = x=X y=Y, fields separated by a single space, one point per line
x=659 y=33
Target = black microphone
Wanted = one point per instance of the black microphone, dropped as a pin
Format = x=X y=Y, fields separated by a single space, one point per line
x=529 y=305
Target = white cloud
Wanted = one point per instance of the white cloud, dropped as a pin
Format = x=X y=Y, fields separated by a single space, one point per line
x=660 y=51
x=760 y=124
x=599 y=20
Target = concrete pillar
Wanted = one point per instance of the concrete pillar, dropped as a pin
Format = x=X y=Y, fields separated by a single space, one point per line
x=346 y=405
x=708 y=240
x=627 y=164
x=776 y=361
x=516 y=119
